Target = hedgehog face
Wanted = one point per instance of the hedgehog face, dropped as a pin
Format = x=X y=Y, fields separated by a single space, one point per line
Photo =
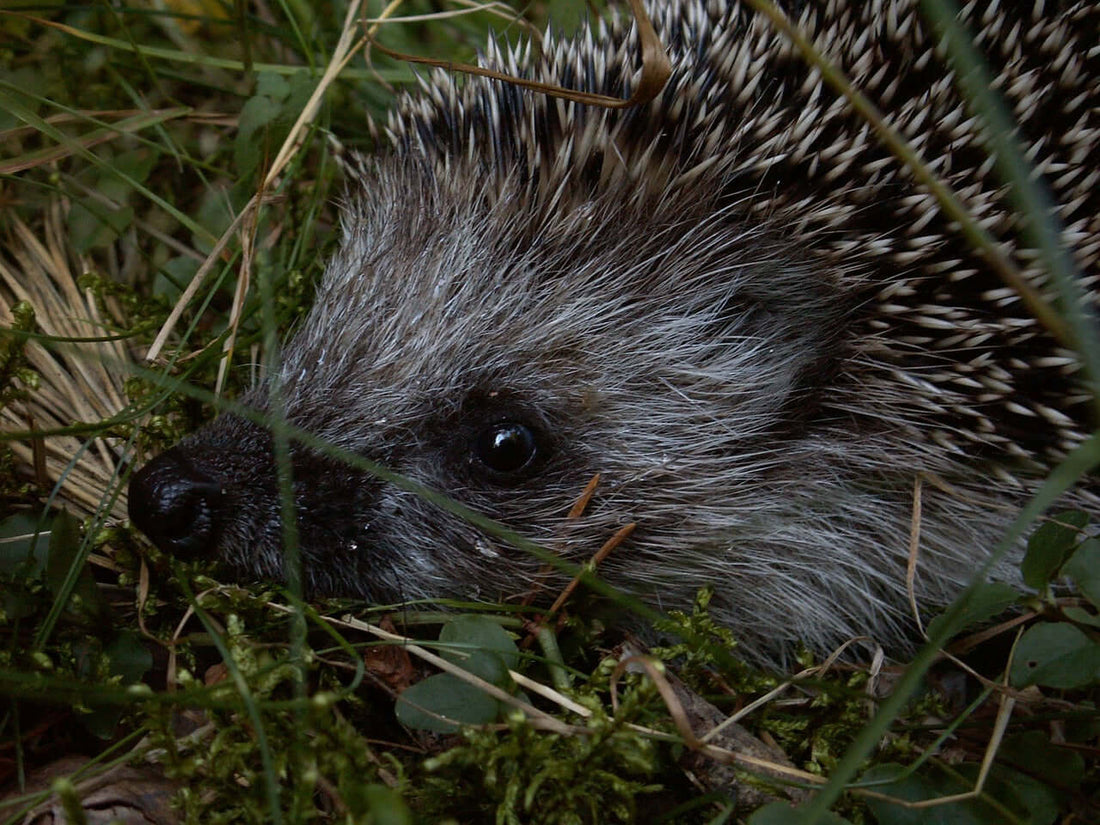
x=477 y=352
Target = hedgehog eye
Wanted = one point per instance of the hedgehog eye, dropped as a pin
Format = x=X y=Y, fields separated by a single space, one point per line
x=506 y=447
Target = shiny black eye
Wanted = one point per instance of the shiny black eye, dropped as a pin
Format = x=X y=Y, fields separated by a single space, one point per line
x=506 y=447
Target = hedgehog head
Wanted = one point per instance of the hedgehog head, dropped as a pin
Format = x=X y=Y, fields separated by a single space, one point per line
x=503 y=356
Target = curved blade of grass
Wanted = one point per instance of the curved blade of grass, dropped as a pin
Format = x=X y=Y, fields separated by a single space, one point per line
x=92 y=138
x=1042 y=229
x=1082 y=460
x=398 y=75
x=9 y=101
x=949 y=202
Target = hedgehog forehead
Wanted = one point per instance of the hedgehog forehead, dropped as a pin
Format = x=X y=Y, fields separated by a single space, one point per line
x=411 y=283
x=405 y=343
x=430 y=302
x=443 y=291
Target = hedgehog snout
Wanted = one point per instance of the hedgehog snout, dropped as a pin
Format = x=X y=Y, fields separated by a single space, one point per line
x=177 y=504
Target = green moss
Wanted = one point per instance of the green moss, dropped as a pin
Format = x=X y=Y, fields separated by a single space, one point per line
x=266 y=743
x=16 y=375
x=524 y=775
x=706 y=647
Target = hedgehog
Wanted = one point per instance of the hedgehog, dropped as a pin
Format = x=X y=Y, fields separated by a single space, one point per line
x=731 y=303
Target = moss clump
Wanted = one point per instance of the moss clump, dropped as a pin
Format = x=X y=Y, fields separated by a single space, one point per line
x=263 y=751
x=529 y=776
x=15 y=370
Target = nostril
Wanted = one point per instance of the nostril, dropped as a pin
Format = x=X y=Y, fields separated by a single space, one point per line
x=175 y=504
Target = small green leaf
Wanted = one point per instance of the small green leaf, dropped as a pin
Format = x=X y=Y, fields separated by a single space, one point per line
x=25 y=83
x=135 y=164
x=97 y=220
x=476 y=644
x=102 y=722
x=443 y=695
x=174 y=276
x=986 y=600
x=1049 y=545
x=481 y=646
x=65 y=553
x=270 y=84
x=1034 y=753
x=1057 y=656
x=1086 y=726
x=487 y=665
x=1081 y=616
x=259 y=128
x=215 y=213
x=128 y=657
x=930 y=783
x=1033 y=801
x=1084 y=568
x=64 y=549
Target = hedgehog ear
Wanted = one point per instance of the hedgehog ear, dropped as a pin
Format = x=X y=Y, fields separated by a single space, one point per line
x=790 y=298
x=785 y=323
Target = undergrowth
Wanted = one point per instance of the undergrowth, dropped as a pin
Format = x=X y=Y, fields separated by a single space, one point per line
x=131 y=137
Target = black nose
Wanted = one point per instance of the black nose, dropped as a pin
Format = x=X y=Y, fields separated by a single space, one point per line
x=176 y=504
